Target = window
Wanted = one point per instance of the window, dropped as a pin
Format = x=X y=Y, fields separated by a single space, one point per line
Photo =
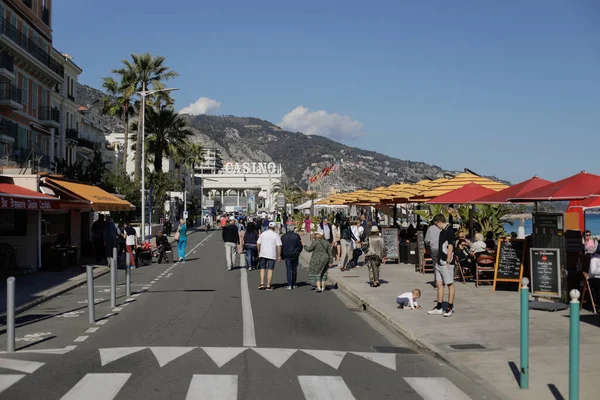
x=22 y=140
x=68 y=127
x=25 y=87
x=2 y=11
x=44 y=97
x=45 y=146
x=35 y=99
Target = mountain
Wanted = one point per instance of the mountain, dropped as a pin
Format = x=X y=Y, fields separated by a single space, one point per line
x=301 y=156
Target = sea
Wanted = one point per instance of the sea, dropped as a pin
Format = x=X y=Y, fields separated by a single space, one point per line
x=592 y=224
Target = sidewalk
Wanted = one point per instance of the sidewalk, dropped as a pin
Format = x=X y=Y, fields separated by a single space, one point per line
x=485 y=318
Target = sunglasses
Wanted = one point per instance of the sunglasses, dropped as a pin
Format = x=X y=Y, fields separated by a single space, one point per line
x=587 y=234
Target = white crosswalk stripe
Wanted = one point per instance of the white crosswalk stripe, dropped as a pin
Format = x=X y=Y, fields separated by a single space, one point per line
x=213 y=387
x=324 y=388
x=97 y=387
x=20 y=365
x=436 y=389
x=7 y=381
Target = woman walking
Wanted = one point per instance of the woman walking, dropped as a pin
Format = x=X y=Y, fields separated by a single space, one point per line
x=346 y=240
x=181 y=239
x=250 y=239
x=374 y=255
x=320 y=261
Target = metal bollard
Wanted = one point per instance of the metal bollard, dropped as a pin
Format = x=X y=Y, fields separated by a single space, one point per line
x=113 y=279
x=90 y=285
x=524 y=378
x=128 y=279
x=10 y=315
x=574 y=345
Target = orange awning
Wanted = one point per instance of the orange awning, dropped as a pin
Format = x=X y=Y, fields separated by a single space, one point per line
x=99 y=199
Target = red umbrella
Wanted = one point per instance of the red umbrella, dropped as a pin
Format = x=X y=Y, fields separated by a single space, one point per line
x=462 y=195
x=576 y=187
x=591 y=202
x=502 y=196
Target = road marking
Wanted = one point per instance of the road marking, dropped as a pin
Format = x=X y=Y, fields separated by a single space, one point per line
x=113 y=354
x=222 y=355
x=165 y=355
x=130 y=299
x=136 y=295
x=324 y=388
x=332 y=358
x=249 y=335
x=20 y=365
x=92 y=330
x=97 y=387
x=80 y=339
x=277 y=357
x=101 y=322
x=33 y=337
x=117 y=309
x=48 y=351
x=71 y=314
x=436 y=388
x=7 y=381
x=124 y=305
x=387 y=360
x=213 y=387
x=152 y=283
x=146 y=288
x=198 y=245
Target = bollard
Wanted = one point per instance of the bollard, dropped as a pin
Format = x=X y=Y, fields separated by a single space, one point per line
x=524 y=378
x=10 y=315
x=113 y=279
x=128 y=279
x=574 y=345
x=90 y=285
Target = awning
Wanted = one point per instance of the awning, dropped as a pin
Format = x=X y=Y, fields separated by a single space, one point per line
x=576 y=187
x=502 y=196
x=14 y=197
x=462 y=195
x=99 y=199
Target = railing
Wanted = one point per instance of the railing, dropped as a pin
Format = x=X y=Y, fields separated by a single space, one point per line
x=72 y=134
x=50 y=114
x=7 y=61
x=88 y=144
x=29 y=45
x=46 y=15
x=8 y=91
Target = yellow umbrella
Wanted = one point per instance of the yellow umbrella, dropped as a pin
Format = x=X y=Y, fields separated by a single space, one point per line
x=457 y=182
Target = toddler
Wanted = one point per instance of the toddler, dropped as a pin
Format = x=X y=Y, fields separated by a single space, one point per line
x=409 y=299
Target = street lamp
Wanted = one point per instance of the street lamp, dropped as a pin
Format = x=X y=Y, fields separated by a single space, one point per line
x=143 y=95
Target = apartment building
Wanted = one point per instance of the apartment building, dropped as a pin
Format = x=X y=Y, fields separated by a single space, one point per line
x=28 y=75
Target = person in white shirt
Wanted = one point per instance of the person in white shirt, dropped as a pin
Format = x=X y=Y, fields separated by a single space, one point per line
x=479 y=245
x=269 y=252
x=594 y=275
x=409 y=299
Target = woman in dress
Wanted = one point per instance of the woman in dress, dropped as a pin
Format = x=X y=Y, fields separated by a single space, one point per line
x=182 y=241
x=320 y=261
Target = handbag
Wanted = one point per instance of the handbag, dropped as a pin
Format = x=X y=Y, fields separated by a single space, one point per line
x=176 y=236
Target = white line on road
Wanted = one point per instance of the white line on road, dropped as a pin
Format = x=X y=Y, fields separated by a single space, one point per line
x=92 y=330
x=436 y=388
x=198 y=245
x=249 y=338
x=117 y=309
x=20 y=365
x=7 y=381
x=97 y=387
x=324 y=388
x=80 y=339
x=213 y=387
x=102 y=322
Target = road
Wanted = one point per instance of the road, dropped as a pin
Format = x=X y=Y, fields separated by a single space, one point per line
x=194 y=330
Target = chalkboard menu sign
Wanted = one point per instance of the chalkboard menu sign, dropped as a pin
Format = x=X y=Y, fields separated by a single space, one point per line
x=390 y=240
x=510 y=254
x=545 y=272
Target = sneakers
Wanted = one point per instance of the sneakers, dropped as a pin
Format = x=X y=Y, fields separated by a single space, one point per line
x=288 y=287
x=436 y=311
x=294 y=286
x=448 y=313
x=229 y=268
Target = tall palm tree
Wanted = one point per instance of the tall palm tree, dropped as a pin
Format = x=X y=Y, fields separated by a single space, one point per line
x=147 y=72
x=190 y=156
x=288 y=189
x=117 y=103
x=166 y=135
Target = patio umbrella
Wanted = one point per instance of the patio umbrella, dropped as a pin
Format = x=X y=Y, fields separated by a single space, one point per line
x=458 y=181
x=580 y=206
x=577 y=187
x=463 y=195
x=502 y=196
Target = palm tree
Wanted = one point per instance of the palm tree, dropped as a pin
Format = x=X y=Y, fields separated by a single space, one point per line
x=117 y=103
x=145 y=72
x=191 y=154
x=312 y=196
x=288 y=189
x=166 y=135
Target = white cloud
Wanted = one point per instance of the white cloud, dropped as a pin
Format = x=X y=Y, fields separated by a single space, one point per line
x=203 y=105
x=334 y=126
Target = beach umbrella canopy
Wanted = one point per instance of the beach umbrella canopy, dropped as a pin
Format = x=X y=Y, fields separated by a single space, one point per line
x=502 y=196
x=585 y=204
x=457 y=182
x=576 y=187
x=463 y=195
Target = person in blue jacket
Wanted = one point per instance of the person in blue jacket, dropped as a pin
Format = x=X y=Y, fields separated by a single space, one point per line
x=182 y=241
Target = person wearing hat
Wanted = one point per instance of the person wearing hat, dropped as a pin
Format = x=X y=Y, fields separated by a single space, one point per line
x=320 y=261
x=594 y=277
x=231 y=239
x=374 y=255
x=269 y=252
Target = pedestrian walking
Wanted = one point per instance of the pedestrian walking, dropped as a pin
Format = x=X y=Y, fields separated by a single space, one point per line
x=181 y=237
x=111 y=234
x=250 y=239
x=231 y=239
x=375 y=254
x=327 y=230
x=130 y=237
x=346 y=240
x=98 y=238
x=269 y=252
x=291 y=247
x=444 y=267
x=320 y=261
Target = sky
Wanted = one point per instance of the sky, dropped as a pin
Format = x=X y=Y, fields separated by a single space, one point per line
x=505 y=88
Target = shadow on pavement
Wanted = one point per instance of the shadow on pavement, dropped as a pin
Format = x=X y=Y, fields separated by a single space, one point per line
x=555 y=392
x=36 y=342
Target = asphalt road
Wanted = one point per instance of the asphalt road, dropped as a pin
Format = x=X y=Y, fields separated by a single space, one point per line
x=199 y=331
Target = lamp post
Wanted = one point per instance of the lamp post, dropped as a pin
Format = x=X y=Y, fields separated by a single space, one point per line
x=143 y=95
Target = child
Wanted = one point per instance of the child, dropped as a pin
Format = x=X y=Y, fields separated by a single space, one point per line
x=409 y=299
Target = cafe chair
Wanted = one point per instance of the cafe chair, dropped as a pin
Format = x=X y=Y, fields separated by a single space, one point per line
x=427 y=263
x=461 y=273
x=587 y=290
x=484 y=266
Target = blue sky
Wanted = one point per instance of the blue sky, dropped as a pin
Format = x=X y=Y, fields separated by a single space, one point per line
x=506 y=88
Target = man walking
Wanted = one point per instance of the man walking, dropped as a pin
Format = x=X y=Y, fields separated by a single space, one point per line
x=111 y=233
x=269 y=251
x=291 y=247
x=327 y=231
x=444 y=266
x=231 y=238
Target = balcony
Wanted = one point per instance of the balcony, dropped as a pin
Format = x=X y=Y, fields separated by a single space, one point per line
x=88 y=144
x=72 y=134
x=28 y=3
x=10 y=96
x=71 y=97
x=50 y=116
x=46 y=15
x=7 y=67
x=15 y=38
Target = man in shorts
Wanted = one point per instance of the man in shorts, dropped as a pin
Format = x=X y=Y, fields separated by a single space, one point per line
x=269 y=252
x=444 y=266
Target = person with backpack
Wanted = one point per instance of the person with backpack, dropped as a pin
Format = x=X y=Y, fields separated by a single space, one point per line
x=291 y=247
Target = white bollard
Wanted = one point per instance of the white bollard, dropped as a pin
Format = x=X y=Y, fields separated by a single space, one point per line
x=10 y=315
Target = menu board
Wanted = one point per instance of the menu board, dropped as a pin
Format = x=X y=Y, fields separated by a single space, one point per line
x=545 y=272
x=390 y=240
x=509 y=261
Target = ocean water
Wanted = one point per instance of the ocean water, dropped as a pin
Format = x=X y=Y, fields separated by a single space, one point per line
x=592 y=223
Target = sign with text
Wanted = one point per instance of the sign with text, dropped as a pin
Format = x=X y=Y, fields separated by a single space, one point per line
x=545 y=272
x=249 y=168
x=390 y=241
x=509 y=261
x=18 y=203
